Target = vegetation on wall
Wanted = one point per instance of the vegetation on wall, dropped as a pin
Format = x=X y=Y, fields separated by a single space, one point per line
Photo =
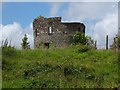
x=40 y=16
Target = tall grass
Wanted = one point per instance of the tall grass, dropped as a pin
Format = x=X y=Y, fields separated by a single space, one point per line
x=70 y=67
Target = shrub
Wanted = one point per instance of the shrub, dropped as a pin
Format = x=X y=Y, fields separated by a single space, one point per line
x=83 y=48
x=79 y=38
x=9 y=51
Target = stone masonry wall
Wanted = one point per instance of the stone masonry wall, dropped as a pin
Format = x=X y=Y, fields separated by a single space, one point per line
x=53 y=31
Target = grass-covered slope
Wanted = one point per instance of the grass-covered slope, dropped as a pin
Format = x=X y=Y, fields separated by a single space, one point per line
x=69 y=67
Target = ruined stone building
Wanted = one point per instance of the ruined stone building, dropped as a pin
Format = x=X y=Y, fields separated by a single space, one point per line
x=53 y=32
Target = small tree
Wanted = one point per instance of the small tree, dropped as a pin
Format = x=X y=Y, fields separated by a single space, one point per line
x=25 y=43
x=79 y=38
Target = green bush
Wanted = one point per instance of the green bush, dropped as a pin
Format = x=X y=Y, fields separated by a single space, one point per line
x=83 y=48
x=79 y=38
x=9 y=51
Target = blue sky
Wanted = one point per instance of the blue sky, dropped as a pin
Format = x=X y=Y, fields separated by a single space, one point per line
x=23 y=12
x=100 y=18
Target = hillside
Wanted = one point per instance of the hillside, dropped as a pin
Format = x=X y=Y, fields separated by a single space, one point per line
x=70 y=67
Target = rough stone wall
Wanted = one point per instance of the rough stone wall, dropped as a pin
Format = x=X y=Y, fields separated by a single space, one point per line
x=60 y=32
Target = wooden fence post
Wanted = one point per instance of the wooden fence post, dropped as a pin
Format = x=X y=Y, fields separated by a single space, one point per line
x=114 y=44
x=106 y=42
x=95 y=44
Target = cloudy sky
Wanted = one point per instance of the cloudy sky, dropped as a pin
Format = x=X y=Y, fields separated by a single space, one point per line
x=100 y=18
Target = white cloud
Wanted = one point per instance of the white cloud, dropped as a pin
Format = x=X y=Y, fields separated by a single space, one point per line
x=0 y=33
x=29 y=32
x=54 y=8
x=107 y=26
x=0 y=12
x=60 y=0
x=88 y=10
x=15 y=33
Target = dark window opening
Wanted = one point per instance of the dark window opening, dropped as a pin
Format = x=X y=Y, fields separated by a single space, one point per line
x=64 y=32
x=79 y=29
x=46 y=45
x=36 y=32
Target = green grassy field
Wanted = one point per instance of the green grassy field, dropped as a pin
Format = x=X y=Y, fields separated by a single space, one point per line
x=59 y=68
